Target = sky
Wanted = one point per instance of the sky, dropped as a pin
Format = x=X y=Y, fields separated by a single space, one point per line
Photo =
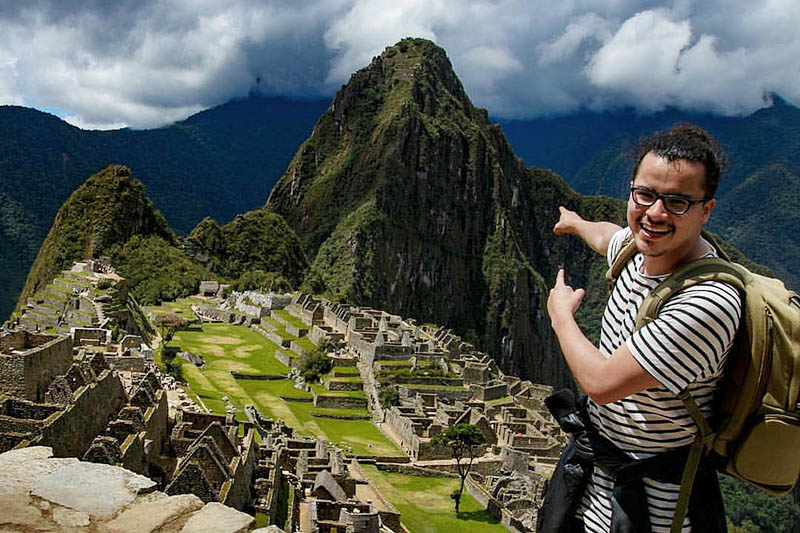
x=102 y=64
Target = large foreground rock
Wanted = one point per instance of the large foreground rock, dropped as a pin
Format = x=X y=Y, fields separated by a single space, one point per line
x=41 y=493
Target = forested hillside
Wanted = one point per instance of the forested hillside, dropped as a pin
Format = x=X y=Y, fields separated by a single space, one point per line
x=218 y=163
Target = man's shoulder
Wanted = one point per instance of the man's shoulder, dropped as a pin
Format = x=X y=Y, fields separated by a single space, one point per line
x=616 y=243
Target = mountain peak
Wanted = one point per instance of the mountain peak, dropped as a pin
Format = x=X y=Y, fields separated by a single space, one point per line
x=107 y=209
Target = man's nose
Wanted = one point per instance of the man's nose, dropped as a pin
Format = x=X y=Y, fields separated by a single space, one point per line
x=657 y=210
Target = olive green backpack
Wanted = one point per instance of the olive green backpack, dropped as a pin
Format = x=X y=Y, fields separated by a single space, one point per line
x=756 y=436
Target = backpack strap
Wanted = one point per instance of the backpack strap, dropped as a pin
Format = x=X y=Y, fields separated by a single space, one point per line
x=625 y=254
x=705 y=269
x=698 y=271
x=701 y=440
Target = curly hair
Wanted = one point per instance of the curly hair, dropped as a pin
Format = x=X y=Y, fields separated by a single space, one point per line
x=689 y=142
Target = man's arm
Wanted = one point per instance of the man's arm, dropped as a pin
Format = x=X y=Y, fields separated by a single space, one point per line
x=596 y=234
x=604 y=380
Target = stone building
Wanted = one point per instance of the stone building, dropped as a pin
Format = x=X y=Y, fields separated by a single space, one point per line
x=29 y=362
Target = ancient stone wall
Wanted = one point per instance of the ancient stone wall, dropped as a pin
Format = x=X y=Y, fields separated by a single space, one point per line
x=91 y=336
x=95 y=404
x=266 y=330
x=321 y=335
x=297 y=348
x=156 y=421
x=239 y=495
x=129 y=363
x=489 y=392
x=28 y=371
x=339 y=402
x=409 y=391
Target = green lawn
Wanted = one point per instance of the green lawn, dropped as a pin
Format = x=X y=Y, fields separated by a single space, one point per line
x=181 y=307
x=225 y=347
x=425 y=505
x=280 y=330
x=291 y=319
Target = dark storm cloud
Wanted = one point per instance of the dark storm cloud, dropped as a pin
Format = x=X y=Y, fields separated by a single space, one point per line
x=149 y=62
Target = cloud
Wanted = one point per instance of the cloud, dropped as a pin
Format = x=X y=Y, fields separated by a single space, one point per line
x=149 y=62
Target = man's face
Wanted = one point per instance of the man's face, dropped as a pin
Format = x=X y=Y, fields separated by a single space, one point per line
x=664 y=238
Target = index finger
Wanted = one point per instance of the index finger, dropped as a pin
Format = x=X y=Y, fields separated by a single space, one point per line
x=560 y=277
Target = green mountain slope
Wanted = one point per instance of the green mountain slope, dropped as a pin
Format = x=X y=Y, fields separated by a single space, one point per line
x=229 y=156
x=107 y=210
x=254 y=241
x=408 y=199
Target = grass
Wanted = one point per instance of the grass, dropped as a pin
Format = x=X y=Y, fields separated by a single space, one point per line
x=500 y=401
x=225 y=347
x=291 y=319
x=181 y=307
x=425 y=505
x=427 y=386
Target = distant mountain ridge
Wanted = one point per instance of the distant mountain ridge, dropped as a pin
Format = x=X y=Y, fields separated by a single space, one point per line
x=759 y=194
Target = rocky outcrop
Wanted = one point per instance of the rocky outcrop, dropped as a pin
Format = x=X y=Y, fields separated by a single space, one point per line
x=408 y=199
x=41 y=493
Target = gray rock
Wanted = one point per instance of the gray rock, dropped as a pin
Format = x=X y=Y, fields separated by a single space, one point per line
x=21 y=470
x=151 y=515
x=96 y=489
x=218 y=518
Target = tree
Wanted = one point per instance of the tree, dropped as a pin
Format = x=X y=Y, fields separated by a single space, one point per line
x=461 y=439
x=168 y=324
x=315 y=364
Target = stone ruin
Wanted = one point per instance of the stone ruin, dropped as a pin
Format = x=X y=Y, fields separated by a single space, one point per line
x=208 y=455
x=89 y=295
x=40 y=492
x=66 y=397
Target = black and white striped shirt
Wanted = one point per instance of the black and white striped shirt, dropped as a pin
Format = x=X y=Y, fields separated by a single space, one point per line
x=685 y=346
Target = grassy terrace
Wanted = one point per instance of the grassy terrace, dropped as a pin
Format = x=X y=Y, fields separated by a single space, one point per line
x=322 y=391
x=433 y=387
x=345 y=371
x=225 y=347
x=181 y=307
x=280 y=330
x=425 y=505
x=290 y=319
x=501 y=401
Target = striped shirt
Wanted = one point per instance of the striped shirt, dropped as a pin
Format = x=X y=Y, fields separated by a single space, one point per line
x=684 y=347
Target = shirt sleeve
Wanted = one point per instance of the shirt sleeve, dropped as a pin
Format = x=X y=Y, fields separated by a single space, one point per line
x=615 y=244
x=690 y=338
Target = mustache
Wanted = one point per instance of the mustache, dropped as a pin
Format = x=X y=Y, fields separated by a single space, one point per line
x=647 y=221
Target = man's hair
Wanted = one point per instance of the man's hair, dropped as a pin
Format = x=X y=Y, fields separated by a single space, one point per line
x=689 y=142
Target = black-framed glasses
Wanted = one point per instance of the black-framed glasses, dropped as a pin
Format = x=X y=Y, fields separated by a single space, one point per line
x=677 y=204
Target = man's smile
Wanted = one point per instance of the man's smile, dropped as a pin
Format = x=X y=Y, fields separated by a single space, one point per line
x=653 y=230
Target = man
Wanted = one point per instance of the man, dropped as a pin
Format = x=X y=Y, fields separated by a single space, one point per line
x=632 y=377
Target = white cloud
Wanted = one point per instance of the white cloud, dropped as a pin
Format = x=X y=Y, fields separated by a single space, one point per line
x=149 y=62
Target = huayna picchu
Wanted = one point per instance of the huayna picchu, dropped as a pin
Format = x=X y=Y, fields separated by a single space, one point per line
x=406 y=198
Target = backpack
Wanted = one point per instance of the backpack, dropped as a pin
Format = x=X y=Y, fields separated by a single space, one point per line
x=756 y=434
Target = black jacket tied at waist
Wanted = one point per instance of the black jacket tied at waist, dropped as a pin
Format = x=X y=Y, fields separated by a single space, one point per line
x=587 y=449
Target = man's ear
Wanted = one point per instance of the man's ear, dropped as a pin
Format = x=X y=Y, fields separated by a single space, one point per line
x=707 y=208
